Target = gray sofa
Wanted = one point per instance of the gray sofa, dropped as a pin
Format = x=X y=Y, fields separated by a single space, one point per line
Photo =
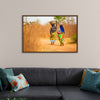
x=52 y=84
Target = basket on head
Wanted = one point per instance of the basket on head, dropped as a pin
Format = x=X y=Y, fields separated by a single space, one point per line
x=52 y=22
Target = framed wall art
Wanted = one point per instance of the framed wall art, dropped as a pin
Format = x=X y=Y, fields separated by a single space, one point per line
x=50 y=33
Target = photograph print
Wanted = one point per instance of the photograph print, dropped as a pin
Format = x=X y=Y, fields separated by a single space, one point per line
x=50 y=33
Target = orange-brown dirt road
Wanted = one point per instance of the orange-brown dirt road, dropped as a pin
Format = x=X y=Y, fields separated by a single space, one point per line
x=45 y=46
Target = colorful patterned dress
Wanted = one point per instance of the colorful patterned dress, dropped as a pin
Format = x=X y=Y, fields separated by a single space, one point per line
x=53 y=37
x=61 y=37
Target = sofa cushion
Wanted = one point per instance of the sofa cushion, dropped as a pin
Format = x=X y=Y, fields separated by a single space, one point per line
x=74 y=93
x=38 y=76
x=69 y=76
x=37 y=93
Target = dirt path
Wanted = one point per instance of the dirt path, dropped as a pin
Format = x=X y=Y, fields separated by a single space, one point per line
x=46 y=46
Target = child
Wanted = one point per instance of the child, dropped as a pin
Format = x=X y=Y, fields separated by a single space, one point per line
x=61 y=35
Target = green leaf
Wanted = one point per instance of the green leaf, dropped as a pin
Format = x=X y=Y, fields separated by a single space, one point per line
x=7 y=98
x=59 y=18
x=14 y=99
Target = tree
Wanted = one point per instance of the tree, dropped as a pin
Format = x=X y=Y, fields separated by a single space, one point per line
x=60 y=18
x=70 y=20
x=37 y=21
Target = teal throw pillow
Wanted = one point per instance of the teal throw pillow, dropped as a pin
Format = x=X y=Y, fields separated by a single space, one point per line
x=9 y=71
x=91 y=81
x=4 y=80
x=1 y=89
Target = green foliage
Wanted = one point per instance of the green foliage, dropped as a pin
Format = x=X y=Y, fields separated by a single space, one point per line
x=10 y=97
x=59 y=18
x=13 y=99
x=73 y=39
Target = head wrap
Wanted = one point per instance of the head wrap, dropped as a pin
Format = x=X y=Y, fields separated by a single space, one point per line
x=62 y=28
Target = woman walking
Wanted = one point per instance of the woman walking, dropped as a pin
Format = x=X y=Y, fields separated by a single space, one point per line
x=53 y=32
x=61 y=33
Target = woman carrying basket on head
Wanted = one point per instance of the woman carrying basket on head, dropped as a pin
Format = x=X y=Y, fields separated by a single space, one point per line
x=53 y=32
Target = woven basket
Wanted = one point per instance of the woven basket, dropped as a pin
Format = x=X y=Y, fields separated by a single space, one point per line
x=52 y=22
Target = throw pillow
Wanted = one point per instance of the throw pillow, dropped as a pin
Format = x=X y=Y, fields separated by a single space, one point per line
x=84 y=75
x=9 y=71
x=3 y=78
x=1 y=89
x=91 y=81
x=18 y=82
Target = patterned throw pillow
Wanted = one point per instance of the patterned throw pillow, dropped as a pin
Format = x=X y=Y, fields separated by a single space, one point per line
x=18 y=82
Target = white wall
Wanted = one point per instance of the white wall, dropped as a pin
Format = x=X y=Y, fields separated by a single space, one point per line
x=88 y=12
